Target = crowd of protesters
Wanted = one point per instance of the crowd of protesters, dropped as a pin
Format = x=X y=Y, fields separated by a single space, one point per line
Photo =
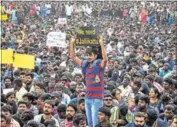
x=140 y=76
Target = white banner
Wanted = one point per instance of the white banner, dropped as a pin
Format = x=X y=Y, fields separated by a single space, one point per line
x=56 y=39
x=62 y=21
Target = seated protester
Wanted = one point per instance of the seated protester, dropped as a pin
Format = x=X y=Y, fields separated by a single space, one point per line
x=154 y=97
x=47 y=113
x=165 y=70
x=117 y=98
x=167 y=85
x=79 y=88
x=79 y=120
x=39 y=88
x=65 y=98
x=152 y=71
x=139 y=120
x=104 y=114
x=40 y=101
x=22 y=106
x=108 y=101
x=7 y=110
x=19 y=89
x=66 y=90
x=27 y=116
x=121 y=115
x=144 y=87
x=3 y=120
x=136 y=85
x=153 y=120
x=61 y=113
x=165 y=100
x=70 y=113
x=143 y=105
x=29 y=98
x=74 y=100
x=149 y=80
x=168 y=114
x=10 y=100
x=81 y=105
x=174 y=121
x=56 y=98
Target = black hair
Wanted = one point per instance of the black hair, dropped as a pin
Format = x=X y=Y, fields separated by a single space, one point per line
x=156 y=91
x=61 y=108
x=113 y=93
x=29 y=74
x=165 y=98
x=22 y=73
x=30 y=96
x=73 y=106
x=50 y=122
x=150 y=78
x=168 y=80
x=137 y=83
x=108 y=95
x=10 y=94
x=123 y=108
x=144 y=98
x=27 y=115
x=7 y=108
x=77 y=118
x=33 y=123
x=41 y=85
x=18 y=82
x=81 y=100
x=140 y=114
x=7 y=77
x=22 y=102
x=50 y=102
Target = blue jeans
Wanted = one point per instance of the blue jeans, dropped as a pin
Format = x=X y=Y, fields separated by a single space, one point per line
x=92 y=106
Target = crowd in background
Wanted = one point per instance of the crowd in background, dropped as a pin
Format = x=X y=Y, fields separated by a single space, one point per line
x=140 y=75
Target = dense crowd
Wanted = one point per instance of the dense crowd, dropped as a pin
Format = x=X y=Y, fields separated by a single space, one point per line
x=140 y=77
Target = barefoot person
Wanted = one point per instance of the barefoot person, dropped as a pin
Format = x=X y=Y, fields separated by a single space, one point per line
x=94 y=84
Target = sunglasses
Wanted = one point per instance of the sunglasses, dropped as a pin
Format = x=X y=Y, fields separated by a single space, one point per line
x=108 y=99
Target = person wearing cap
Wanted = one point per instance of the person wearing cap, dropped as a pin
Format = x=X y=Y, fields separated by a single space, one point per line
x=165 y=70
x=94 y=91
x=47 y=113
x=104 y=114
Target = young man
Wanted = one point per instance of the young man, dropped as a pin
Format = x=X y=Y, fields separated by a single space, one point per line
x=103 y=116
x=47 y=113
x=79 y=120
x=139 y=120
x=7 y=110
x=94 y=91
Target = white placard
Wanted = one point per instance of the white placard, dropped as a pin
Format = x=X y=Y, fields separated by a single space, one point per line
x=62 y=21
x=56 y=39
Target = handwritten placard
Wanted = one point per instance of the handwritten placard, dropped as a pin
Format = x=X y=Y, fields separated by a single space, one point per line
x=87 y=36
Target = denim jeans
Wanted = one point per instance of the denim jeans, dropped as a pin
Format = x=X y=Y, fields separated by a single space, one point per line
x=92 y=106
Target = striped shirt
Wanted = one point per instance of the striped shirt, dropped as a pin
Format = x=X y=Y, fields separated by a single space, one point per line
x=94 y=90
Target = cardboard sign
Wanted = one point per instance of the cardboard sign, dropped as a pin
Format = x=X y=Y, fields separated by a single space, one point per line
x=62 y=21
x=87 y=36
x=6 y=56
x=4 y=17
x=56 y=39
x=24 y=61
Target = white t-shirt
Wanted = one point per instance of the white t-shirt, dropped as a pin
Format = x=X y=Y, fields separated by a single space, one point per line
x=69 y=10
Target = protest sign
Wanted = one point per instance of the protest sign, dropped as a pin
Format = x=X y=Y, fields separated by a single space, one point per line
x=24 y=61
x=6 y=56
x=56 y=39
x=87 y=36
x=4 y=17
x=62 y=21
